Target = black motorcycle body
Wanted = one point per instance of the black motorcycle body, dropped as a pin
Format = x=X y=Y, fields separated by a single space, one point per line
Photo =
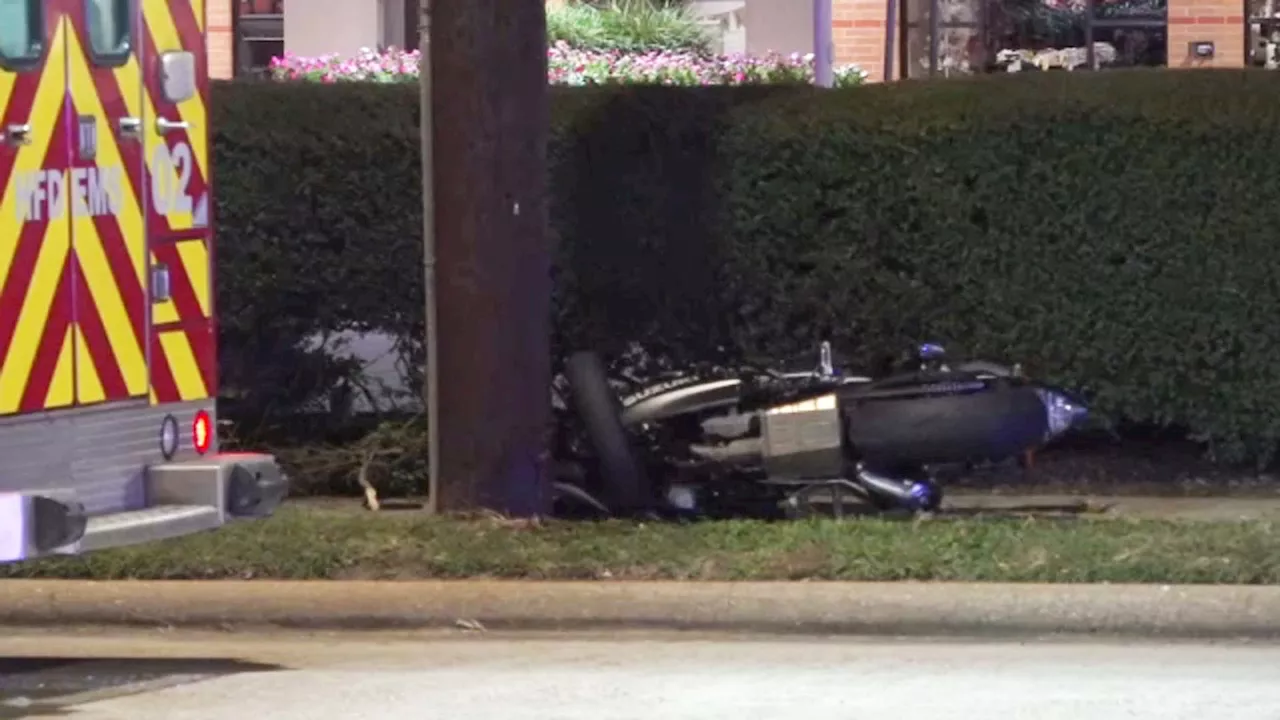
x=688 y=440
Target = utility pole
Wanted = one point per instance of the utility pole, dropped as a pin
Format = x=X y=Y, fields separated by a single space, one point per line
x=823 y=47
x=426 y=141
x=489 y=272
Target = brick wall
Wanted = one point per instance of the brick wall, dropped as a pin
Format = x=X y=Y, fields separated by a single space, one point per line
x=858 y=33
x=220 y=39
x=1219 y=21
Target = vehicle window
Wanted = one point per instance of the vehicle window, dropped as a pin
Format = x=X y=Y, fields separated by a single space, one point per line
x=20 y=31
x=109 y=30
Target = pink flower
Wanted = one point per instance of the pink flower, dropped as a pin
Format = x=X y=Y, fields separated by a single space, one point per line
x=572 y=66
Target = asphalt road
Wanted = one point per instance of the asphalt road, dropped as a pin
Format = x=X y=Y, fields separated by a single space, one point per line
x=347 y=676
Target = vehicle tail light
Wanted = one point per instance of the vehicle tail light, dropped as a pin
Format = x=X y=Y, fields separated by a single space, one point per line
x=202 y=432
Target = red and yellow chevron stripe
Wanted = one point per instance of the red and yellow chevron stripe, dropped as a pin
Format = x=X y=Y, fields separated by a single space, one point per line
x=35 y=295
x=81 y=233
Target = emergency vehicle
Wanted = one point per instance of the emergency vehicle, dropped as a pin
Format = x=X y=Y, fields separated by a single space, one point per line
x=108 y=366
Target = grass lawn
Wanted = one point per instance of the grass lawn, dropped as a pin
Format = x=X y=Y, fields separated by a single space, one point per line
x=307 y=542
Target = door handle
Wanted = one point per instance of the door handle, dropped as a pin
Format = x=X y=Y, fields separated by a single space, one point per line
x=16 y=135
x=130 y=127
x=167 y=126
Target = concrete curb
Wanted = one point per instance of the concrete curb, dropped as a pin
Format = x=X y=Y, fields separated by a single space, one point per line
x=907 y=608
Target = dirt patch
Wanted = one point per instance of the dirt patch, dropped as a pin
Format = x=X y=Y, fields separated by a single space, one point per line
x=1152 y=468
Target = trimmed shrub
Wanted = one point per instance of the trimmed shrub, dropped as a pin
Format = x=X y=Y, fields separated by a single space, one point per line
x=1113 y=231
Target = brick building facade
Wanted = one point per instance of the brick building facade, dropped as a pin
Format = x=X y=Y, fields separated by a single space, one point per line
x=221 y=38
x=1183 y=33
x=970 y=35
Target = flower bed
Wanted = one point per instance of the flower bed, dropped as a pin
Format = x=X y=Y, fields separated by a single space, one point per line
x=569 y=66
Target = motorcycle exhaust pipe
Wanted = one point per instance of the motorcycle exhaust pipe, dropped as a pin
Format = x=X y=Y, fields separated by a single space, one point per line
x=909 y=494
x=743 y=451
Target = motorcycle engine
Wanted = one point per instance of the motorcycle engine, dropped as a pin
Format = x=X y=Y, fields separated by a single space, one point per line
x=803 y=439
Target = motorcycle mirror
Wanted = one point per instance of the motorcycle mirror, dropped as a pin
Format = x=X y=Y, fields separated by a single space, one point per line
x=826 y=368
x=931 y=356
x=931 y=351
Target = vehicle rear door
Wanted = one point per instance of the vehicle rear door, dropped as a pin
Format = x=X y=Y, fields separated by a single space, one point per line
x=36 y=272
x=105 y=186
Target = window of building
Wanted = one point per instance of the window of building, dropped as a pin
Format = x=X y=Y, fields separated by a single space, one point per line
x=1262 y=41
x=963 y=37
x=259 y=35
x=412 y=24
x=21 y=33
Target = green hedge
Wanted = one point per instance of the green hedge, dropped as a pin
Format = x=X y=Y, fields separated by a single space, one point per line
x=1114 y=231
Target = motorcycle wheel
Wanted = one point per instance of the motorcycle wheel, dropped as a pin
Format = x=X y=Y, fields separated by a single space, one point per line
x=598 y=409
x=828 y=501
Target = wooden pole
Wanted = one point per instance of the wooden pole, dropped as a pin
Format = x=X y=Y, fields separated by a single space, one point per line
x=489 y=125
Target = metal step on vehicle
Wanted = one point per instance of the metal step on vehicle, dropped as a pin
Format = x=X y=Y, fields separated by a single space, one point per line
x=91 y=492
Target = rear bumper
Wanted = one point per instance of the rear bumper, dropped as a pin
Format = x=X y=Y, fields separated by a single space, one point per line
x=182 y=498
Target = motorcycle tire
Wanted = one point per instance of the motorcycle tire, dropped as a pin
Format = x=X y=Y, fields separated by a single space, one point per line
x=624 y=485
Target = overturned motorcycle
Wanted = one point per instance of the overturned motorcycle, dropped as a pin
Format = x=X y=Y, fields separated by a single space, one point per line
x=758 y=442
